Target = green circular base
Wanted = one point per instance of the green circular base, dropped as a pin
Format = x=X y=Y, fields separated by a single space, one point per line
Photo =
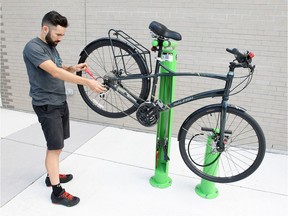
x=213 y=193
x=162 y=184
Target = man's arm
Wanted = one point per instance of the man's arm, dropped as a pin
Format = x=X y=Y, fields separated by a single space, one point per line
x=74 y=68
x=62 y=74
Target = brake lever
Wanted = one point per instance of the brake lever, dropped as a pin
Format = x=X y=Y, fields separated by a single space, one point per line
x=252 y=68
x=236 y=64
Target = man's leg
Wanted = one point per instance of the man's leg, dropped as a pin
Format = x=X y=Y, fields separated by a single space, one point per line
x=59 y=195
x=52 y=165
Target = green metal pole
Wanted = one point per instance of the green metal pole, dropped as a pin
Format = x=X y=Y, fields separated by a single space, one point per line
x=164 y=127
x=207 y=189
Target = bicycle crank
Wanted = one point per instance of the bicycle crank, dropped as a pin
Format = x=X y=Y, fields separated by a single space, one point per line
x=148 y=114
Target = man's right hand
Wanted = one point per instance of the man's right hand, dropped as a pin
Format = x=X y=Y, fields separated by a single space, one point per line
x=96 y=86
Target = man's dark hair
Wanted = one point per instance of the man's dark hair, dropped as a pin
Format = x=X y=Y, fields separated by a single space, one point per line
x=54 y=18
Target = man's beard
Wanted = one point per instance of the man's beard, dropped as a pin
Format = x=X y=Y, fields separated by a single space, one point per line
x=50 y=41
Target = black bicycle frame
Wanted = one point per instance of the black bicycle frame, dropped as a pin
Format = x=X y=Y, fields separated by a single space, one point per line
x=211 y=93
x=224 y=93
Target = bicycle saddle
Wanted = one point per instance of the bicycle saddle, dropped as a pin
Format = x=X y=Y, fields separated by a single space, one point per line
x=162 y=30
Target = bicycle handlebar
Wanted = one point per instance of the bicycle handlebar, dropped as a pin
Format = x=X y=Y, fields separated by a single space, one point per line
x=244 y=59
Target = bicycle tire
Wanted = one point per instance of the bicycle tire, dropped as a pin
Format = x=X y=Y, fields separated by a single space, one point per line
x=244 y=149
x=100 y=59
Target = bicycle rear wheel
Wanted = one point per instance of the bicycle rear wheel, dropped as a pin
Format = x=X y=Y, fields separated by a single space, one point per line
x=244 y=144
x=101 y=62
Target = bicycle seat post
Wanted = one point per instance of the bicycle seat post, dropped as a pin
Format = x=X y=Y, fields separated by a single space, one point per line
x=164 y=127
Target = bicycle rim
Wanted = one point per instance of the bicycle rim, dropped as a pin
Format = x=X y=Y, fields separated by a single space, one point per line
x=244 y=145
x=101 y=62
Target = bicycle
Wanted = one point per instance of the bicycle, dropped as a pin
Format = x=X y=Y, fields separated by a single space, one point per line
x=225 y=133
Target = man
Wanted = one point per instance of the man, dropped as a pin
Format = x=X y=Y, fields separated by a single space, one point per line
x=47 y=74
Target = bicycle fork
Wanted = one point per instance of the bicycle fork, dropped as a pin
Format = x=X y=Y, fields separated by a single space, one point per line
x=224 y=104
x=221 y=142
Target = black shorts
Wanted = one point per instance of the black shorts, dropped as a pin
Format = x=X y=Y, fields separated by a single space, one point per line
x=54 y=120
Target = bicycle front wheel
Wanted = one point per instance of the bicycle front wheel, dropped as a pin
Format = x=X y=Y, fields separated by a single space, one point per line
x=114 y=59
x=244 y=144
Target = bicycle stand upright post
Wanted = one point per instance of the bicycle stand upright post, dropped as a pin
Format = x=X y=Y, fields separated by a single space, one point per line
x=206 y=189
x=164 y=126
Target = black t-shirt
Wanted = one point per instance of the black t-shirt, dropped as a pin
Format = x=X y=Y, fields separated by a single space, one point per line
x=44 y=89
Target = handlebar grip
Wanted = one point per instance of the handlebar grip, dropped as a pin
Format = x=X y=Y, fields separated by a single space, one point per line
x=240 y=57
x=229 y=50
x=244 y=59
x=236 y=52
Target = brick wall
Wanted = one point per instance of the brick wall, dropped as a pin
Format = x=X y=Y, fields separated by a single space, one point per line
x=1 y=52
x=207 y=28
x=6 y=90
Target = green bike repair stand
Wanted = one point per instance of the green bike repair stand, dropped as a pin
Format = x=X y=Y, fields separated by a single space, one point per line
x=164 y=126
x=161 y=179
x=206 y=189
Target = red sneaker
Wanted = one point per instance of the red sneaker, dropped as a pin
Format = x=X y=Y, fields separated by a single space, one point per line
x=64 y=178
x=65 y=199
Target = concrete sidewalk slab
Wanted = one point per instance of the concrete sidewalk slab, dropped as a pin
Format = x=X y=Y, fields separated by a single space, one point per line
x=23 y=150
x=12 y=121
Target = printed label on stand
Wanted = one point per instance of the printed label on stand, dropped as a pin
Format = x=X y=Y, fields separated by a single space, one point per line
x=167 y=57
